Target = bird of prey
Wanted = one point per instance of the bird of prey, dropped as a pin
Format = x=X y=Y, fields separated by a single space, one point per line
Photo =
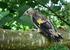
x=43 y=24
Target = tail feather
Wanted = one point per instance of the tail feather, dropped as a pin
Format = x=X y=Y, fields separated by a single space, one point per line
x=57 y=38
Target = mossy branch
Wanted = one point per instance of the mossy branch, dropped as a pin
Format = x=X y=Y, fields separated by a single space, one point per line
x=10 y=39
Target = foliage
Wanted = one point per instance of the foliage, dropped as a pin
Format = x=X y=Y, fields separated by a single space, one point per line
x=58 y=47
x=11 y=13
x=55 y=47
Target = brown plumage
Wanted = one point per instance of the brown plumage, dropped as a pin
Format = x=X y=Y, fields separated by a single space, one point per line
x=43 y=24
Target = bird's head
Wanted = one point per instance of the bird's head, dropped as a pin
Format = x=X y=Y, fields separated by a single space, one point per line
x=29 y=12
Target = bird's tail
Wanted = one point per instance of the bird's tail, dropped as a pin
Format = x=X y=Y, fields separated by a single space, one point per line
x=57 y=38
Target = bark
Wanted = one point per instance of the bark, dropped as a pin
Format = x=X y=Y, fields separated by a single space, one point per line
x=10 y=39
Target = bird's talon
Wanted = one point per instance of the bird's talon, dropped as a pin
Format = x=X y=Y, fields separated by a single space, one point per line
x=38 y=30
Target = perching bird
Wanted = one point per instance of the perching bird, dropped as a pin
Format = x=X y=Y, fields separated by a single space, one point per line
x=43 y=24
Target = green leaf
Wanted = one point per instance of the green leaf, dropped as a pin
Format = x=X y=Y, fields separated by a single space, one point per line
x=43 y=1
x=25 y=20
x=4 y=13
x=5 y=20
x=56 y=8
x=3 y=5
x=32 y=3
x=55 y=1
x=22 y=9
x=63 y=2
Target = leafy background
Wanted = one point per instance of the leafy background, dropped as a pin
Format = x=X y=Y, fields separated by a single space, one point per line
x=11 y=13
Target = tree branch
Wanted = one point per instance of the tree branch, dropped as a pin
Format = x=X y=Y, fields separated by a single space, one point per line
x=27 y=40
x=57 y=15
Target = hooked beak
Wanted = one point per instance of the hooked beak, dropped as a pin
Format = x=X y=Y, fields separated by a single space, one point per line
x=25 y=13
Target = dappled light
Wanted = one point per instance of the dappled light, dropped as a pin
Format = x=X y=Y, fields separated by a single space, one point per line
x=19 y=31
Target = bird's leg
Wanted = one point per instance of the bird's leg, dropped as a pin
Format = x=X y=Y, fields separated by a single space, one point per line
x=38 y=30
x=61 y=41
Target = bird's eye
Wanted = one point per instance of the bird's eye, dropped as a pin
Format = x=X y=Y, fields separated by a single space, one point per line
x=27 y=11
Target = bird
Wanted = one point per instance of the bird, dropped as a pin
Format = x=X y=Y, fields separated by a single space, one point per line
x=42 y=24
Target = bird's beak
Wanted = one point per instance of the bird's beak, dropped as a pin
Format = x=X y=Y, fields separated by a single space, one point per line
x=25 y=13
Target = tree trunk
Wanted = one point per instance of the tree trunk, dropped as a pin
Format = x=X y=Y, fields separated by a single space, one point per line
x=10 y=39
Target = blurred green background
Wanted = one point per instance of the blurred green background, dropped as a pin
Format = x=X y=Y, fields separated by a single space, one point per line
x=57 y=11
x=11 y=13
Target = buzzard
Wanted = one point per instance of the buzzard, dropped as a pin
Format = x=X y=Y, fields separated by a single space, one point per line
x=43 y=24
